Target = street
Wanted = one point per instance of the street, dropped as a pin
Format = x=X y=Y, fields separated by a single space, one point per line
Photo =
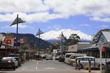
x=45 y=66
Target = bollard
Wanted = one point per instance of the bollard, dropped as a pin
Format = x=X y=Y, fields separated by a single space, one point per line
x=106 y=68
x=76 y=64
x=89 y=66
x=79 y=64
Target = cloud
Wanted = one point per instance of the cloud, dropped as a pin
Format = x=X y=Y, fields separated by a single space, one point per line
x=35 y=17
x=39 y=10
x=67 y=32
x=20 y=26
x=22 y=6
x=100 y=19
x=104 y=26
x=56 y=27
x=84 y=25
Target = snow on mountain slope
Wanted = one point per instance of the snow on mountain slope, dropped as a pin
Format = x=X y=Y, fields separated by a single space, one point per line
x=67 y=32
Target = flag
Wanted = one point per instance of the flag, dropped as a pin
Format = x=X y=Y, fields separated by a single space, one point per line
x=103 y=49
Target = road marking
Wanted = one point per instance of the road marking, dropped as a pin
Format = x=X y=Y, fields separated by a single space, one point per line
x=49 y=68
x=38 y=62
x=24 y=68
x=36 y=67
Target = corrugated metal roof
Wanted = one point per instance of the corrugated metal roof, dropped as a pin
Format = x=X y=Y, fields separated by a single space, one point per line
x=106 y=35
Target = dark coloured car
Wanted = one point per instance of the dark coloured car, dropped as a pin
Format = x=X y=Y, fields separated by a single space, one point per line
x=8 y=63
x=61 y=58
x=38 y=57
x=17 y=58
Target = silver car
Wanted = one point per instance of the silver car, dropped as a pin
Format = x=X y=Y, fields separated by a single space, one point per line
x=84 y=62
x=48 y=57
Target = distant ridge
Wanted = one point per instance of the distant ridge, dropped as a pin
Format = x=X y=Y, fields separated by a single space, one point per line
x=31 y=40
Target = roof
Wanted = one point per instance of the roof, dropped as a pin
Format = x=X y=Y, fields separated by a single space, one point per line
x=106 y=35
x=89 y=48
x=86 y=57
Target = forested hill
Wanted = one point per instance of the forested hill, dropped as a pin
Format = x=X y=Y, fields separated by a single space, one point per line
x=30 y=40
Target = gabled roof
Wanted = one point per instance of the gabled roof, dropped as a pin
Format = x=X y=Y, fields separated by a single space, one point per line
x=106 y=35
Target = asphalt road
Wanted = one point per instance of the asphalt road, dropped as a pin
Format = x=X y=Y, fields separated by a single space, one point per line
x=44 y=66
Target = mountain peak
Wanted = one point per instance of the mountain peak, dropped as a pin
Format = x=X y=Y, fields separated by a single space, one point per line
x=67 y=32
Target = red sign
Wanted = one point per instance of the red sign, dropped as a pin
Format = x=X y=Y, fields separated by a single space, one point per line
x=103 y=49
x=67 y=50
x=72 y=47
x=8 y=41
x=32 y=50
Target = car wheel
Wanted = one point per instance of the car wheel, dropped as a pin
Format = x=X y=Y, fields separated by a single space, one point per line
x=14 y=68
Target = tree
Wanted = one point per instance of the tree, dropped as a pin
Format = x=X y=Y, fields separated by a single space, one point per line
x=73 y=39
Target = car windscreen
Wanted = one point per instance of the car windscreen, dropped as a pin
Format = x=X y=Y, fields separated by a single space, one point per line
x=67 y=56
x=6 y=60
x=85 y=59
x=13 y=56
x=73 y=57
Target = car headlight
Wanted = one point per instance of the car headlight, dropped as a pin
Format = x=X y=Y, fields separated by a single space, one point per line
x=9 y=61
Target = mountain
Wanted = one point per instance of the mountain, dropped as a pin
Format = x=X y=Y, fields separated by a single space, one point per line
x=53 y=35
x=31 y=40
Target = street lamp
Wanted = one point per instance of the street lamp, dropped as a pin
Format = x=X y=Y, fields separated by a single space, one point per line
x=62 y=37
x=16 y=21
x=38 y=34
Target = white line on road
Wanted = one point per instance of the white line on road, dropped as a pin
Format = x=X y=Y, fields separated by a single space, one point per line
x=49 y=68
x=37 y=62
x=36 y=67
x=24 y=68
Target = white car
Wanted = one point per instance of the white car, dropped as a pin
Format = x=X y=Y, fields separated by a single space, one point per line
x=48 y=57
x=67 y=56
x=84 y=62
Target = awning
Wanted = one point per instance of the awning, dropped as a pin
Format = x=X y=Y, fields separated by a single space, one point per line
x=92 y=48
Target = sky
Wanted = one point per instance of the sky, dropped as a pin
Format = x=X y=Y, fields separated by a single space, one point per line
x=84 y=16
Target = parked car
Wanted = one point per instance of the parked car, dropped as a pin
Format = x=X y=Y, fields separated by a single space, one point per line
x=71 y=59
x=8 y=62
x=18 y=58
x=43 y=56
x=37 y=56
x=61 y=58
x=57 y=57
x=49 y=57
x=84 y=62
x=67 y=55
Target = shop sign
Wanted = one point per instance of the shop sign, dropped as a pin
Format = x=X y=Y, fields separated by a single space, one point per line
x=8 y=41
x=72 y=47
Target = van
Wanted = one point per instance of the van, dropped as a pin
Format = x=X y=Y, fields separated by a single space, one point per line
x=67 y=56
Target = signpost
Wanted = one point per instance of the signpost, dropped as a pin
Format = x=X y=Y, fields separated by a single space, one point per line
x=100 y=46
